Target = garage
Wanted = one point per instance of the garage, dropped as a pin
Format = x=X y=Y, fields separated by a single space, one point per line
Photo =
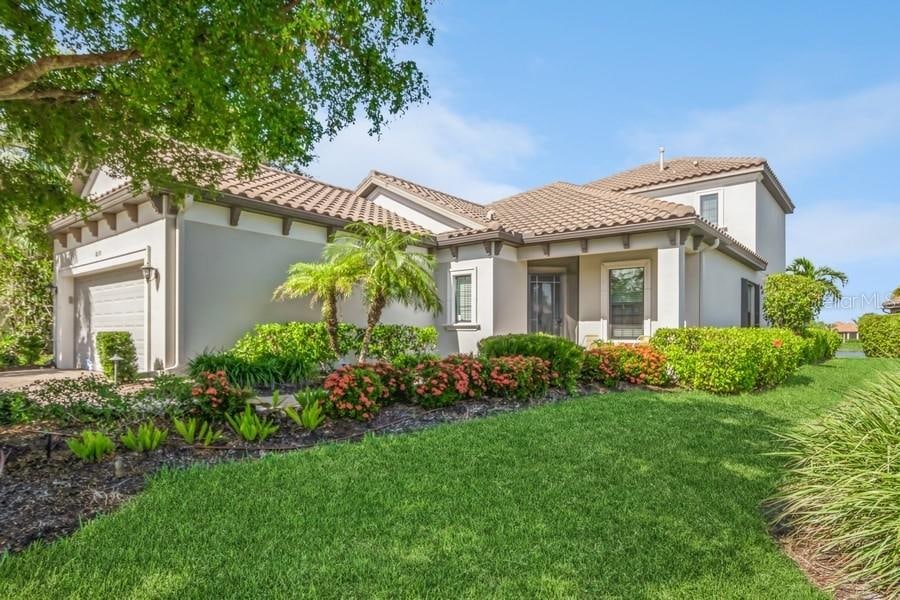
x=109 y=301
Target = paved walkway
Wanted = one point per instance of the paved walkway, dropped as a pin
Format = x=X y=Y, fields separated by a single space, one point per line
x=16 y=380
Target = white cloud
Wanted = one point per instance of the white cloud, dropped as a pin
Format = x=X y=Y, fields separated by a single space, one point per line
x=435 y=146
x=844 y=233
x=791 y=135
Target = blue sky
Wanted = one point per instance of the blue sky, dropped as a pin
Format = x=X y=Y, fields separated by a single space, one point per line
x=527 y=93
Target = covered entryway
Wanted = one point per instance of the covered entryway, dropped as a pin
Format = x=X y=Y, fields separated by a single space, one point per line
x=109 y=301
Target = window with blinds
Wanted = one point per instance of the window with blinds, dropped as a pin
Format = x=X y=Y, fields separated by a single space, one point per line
x=462 y=298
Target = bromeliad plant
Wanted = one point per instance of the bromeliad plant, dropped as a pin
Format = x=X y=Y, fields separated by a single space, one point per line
x=311 y=414
x=92 y=446
x=193 y=430
x=249 y=426
x=148 y=437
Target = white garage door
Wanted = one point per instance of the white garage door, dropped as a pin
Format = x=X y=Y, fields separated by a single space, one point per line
x=111 y=301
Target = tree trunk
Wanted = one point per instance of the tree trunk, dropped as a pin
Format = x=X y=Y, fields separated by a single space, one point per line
x=372 y=320
x=331 y=324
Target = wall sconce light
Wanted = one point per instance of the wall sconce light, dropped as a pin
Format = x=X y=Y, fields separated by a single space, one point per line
x=51 y=288
x=149 y=273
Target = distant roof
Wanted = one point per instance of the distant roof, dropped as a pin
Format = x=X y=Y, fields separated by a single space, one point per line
x=675 y=169
x=892 y=305
x=845 y=327
x=460 y=206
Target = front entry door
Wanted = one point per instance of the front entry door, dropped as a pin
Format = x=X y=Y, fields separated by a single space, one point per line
x=545 y=310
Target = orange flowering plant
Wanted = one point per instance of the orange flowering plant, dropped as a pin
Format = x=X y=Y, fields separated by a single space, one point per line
x=355 y=391
x=214 y=396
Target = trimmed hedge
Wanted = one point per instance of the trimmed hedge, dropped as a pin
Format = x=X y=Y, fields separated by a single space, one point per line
x=309 y=341
x=732 y=359
x=880 y=335
x=819 y=345
x=565 y=357
x=792 y=301
x=112 y=343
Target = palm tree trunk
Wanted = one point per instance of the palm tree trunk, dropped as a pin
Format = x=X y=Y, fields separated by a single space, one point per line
x=331 y=323
x=372 y=320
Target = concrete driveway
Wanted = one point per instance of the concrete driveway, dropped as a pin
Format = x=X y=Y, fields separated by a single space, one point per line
x=16 y=380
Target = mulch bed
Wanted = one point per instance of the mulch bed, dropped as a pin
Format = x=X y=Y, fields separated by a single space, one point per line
x=46 y=494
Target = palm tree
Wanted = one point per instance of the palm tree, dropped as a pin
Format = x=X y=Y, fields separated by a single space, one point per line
x=323 y=282
x=391 y=273
x=826 y=275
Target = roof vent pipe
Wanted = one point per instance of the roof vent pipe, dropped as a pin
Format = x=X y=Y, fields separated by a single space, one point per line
x=662 y=159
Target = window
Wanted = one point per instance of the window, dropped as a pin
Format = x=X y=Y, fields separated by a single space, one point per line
x=626 y=303
x=709 y=207
x=749 y=304
x=463 y=297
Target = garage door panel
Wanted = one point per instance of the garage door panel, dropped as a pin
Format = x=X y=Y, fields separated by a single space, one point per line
x=112 y=301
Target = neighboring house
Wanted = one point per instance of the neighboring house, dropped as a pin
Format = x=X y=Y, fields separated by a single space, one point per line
x=847 y=331
x=667 y=244
x=892 y=306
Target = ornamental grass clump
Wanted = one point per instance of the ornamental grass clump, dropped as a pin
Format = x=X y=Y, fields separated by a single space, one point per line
x=841 y=493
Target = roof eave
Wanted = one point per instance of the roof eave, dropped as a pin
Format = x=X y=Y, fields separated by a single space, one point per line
x=693 y=223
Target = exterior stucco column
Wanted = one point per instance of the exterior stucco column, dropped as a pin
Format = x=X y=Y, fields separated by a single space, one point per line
x=670 y=287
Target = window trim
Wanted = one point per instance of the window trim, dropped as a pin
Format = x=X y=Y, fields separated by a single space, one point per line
x=720 y=204
x=605 y=268
x=452 y=323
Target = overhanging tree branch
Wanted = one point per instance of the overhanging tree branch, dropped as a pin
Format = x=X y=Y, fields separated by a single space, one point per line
x=11 y=85
x=61 y=95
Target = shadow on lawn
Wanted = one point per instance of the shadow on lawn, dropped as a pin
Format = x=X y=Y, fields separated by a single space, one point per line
x=633 y=495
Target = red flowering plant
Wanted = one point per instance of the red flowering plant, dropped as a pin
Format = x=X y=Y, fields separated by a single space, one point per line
x=354 y=392
x=519 y=377
x=609 y=364
x=213 y=396
x=443 y=382
x=397 y=382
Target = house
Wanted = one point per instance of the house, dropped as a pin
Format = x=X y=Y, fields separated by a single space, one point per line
x=892 y=306
x=672 y=243
x=848 y=331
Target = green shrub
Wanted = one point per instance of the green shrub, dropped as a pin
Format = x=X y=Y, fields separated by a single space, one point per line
x=146 y=438
x=565 y=357
x=520 y=377
x=112 y=343
x=250 y=427
x=308 y=342
x=15 y=408
x=392 y=341
x=609 y=364
x=731 y=359
x=792 y=301
x=842 y=489
x=819 y=344
x=355 y=392
x=92 y=446
x=880 y=335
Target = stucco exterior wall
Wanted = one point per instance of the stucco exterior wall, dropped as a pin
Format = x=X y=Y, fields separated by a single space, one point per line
x=770 y=230
x=129 y=246
x=720 y=300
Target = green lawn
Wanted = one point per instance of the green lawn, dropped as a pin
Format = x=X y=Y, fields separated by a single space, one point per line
x=632 y=495
x=852 y=345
